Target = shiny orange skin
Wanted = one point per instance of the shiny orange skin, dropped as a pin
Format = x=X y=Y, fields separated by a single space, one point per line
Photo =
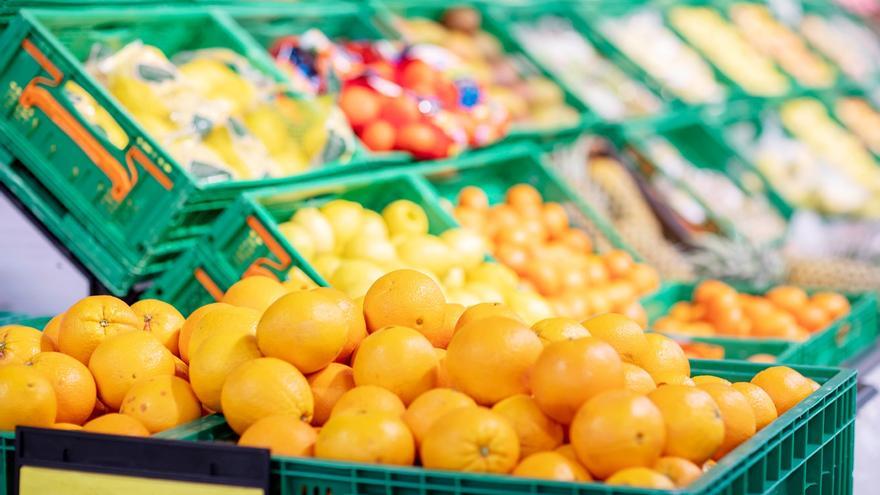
x=569 y=373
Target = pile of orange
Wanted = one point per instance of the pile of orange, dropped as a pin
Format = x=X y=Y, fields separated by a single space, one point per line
x=400 y=377
x=101 y=366
x=535 y=238
x=785 y=312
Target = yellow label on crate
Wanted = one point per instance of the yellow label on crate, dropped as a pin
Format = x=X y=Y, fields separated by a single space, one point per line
x=47 y=481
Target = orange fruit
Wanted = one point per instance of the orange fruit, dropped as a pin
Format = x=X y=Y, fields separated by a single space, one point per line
x=357 y=327
x=217 y=356
x=644 y=278
x=776 y=324
x=399 y=359
x=559 y=328
x=229 y=318
x=523 y=195
x=327 y=386
x=472 y=439
x=161 y=402
x=571 y=372
x=727 y=320
x=282 y=434
x=308 y=329
x=812 y=317
x=117 y=424
x=360 y=104
x=75 y=391
x=617 y=429
x=431 y=406
x=49 y=339
x=190 y=324
x=737 y=414
x=470 y=218
x=368 y=399
x=485 y=310
x=577 y=240
x=162 y=320
x=536 y=431
x=637 y=379
x=545 y=278
x=90 y=321
x=18 y=344
x=514 y=257
x=367 y=437
x=694 y=427
x=555 y=219
x=710 y=290
x=836 y=305
x=265 y=387
x=66 y=426
x=26 y=398
x=550 y=466
x=408 y=298
x=623 y=334
x=758 y=308
x=443 y=379
x=121 y=360
x=641 y=477
x=473 y=197
x=516 y=235
x=705 y=379
x=681 y=471
x=489 y=359
x=618 y=262
x=663 y=359
x=451 y=313
x=788 y=297
x=785 y=386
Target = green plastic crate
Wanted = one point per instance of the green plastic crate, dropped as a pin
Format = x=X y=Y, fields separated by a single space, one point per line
x=42 y=51
x=246 y=239
x=840 y=79
x=846 y=337
x=699 y=144
x=809 y=449
x=433 y=9
x=743 y=114
x=593 y=13
x=532 y=12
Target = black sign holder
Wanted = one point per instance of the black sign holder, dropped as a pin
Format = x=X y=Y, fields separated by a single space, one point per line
x=196 y=462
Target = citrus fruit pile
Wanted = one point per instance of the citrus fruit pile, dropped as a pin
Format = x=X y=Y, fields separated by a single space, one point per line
x=785 y=312
x=101 y=366
x=402 y=377
x=535 y=238
x=351 y=246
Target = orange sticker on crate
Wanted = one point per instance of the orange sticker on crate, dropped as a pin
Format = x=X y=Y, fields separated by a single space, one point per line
x=263 y=265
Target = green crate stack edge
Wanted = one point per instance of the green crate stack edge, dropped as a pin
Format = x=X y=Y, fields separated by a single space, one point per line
x=100 y=195
x=844 y=339
x=738 y=113
x=245 y=239
x=809 y=449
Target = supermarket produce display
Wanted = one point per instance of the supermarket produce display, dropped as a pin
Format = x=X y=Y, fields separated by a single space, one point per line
x=395 y=376
x=451 y=247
